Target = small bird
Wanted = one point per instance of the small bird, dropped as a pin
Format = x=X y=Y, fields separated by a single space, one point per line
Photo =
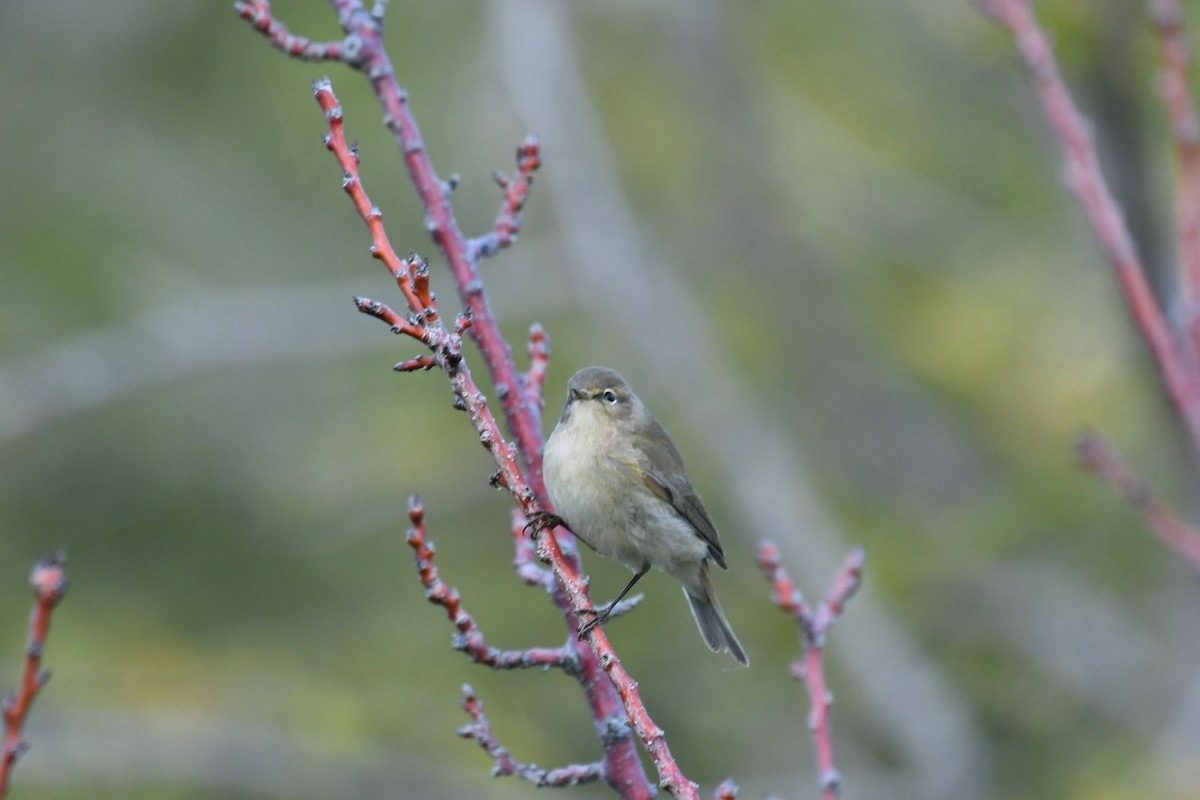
x=618 y=482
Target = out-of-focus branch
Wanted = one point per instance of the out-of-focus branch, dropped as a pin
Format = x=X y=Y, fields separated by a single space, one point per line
x=49 y=582
x=1099 y=456
x=814 y=625
x=1178 y=359
x=1086 y=180
x=1185 y=128
x=480 y=730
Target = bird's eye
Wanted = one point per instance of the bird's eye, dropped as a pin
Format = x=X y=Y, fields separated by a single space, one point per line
x=609 y=396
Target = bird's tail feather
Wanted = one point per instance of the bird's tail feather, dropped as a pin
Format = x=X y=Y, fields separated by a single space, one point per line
x=711 y=619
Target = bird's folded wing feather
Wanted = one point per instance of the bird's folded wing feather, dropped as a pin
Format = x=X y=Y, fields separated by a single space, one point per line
x=662 y=471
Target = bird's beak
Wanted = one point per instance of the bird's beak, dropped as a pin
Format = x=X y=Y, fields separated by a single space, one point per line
x=574 y=395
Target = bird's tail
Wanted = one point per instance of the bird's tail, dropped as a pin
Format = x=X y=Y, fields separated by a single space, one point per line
x=709 y=617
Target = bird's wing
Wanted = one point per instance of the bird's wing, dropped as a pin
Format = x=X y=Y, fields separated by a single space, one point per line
x=670 y=482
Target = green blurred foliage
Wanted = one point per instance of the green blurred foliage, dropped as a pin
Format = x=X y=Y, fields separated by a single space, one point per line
x=865 y=201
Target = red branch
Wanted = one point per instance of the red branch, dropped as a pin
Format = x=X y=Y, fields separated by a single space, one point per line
x=481 y=731
x=1177 y=96
x=1099 y=456
x=49 y=582
x=469 y=638
x=814 y=625
x=1086 y=180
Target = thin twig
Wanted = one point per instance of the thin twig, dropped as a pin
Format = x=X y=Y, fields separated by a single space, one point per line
x=258 y=14
x=516 y=191
x=49 y=582
x=480 y=730
x=533 y=382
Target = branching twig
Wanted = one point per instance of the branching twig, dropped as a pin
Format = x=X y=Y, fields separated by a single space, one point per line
x=1101 y=458
x=469 y=638
x=365 y=31
x=814 y=625
x=424 y=321
x=480 y=730
x=1086 y=180
x=49 y=582
x=516 y=190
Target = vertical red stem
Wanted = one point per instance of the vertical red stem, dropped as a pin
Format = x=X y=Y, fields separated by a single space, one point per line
x=49 y=581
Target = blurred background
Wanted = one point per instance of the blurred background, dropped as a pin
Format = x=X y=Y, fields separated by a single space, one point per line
x=827 y=242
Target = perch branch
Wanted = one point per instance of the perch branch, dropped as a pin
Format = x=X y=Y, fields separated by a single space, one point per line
x=525 y=561
x=814 y=625
x=49 y=582
x=1099 y=456
x=1086 y=180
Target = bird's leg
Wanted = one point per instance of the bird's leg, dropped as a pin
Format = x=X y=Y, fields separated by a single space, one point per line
x=540 y=520
x=600 y=615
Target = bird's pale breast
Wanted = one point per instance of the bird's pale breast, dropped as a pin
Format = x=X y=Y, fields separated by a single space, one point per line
x=595 y=486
